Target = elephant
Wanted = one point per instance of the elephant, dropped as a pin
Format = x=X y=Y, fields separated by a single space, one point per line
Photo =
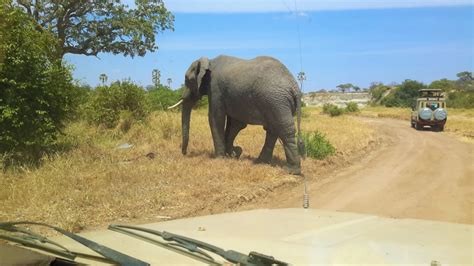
x=259 y=91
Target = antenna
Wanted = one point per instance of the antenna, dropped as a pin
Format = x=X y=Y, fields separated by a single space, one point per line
x=299 y=42
x=301 y=77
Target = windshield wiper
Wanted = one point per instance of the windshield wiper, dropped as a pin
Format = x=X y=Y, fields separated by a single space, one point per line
x=33 y=240
x=197 y=247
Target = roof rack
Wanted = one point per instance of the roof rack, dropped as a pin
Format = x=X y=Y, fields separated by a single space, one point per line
x=434 y=93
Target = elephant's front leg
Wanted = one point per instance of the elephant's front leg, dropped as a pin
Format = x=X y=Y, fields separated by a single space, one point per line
x=217 y=123
x=233 y=127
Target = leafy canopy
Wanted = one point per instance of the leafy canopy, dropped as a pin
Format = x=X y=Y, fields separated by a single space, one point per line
x=100 y=26
x=36 y=90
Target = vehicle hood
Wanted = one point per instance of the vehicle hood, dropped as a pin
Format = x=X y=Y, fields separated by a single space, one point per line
x=306 y=236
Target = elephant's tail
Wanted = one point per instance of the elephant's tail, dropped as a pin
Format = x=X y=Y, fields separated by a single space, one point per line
x=300 y=144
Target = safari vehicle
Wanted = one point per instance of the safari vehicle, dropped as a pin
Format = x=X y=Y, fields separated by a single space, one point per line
x=286 y=236
x=429 y=110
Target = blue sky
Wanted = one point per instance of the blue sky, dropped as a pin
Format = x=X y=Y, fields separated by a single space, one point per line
x=341 y=41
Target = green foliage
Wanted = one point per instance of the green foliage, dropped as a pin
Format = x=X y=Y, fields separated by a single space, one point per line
x=81 y=94
x=332 y=109
x=377 y=91
x=465 y=76
x=352 y=107
x=460 y=99
x=317 y=146
x=344 y=87
x=465 y=81
x=109 y=102
x=443 y=84
x=36 y=89
x=162 y=97
x=391 y=101
x=404 y=95
x=92 y=27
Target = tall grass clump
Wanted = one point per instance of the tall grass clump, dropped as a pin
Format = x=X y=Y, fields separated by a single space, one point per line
x=352 y=107
x=317 y=146
x=332 y=109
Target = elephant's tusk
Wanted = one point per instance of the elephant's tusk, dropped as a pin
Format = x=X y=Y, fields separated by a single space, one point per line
x=176 y=105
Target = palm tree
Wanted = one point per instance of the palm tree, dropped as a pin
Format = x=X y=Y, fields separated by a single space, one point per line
x=103 y=78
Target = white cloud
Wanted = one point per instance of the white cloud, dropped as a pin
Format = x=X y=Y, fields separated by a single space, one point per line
x=248 y=6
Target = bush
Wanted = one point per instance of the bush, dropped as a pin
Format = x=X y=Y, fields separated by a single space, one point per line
x=378 y=91
x=460 y=99
x=404 y=95
x=160 y=98
x=36 y=89
x=332 y=109
x=317 y=146
x=352 y=107
x=109 y=102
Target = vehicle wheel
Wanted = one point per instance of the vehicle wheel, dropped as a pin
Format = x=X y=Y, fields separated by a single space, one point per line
x=418 y=126
x=440 y=128
x=412 y=124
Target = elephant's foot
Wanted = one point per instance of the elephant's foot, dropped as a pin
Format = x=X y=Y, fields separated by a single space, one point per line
x=293 y=170
x=235 y=153
x=264 y=159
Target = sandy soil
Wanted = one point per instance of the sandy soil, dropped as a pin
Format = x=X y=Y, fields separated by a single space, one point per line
x=417 y=174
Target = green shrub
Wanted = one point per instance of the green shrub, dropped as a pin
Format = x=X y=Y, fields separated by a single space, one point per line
x=317 y=146
x=460 y=99
x=332 y=109
x=352 y=107
x=36 y=90
x=108 y=102
x=161 y=97
x=378 y=91
x=326 y=107
x=404 y=94
x=391 y=101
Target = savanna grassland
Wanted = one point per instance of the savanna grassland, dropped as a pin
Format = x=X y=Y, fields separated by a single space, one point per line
x=460 y=120
x=94 y=183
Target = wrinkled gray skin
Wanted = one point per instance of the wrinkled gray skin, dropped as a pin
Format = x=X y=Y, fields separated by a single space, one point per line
x=260 y=91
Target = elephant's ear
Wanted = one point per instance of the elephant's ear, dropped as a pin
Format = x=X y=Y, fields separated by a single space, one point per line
x=203 y=67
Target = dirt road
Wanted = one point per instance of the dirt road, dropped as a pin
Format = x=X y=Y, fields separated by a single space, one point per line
x=418 y=174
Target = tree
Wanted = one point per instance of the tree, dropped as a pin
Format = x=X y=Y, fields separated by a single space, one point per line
x=443 y=84
x=404 y=95
x=100 y=26
x=36 y=94
x=465 y=81
x=465 y=76
x=344 y=87
x=375 y=84
x=357 y=88
x=103 y=78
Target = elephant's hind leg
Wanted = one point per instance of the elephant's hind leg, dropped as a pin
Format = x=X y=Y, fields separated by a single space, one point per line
x=233 y=127
x=292 y=156
x=267 y=151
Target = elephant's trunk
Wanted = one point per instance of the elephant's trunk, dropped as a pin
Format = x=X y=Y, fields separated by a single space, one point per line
x=185 y=121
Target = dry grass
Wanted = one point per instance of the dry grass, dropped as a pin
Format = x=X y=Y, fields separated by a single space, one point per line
x=95 y=183
x=460 y=121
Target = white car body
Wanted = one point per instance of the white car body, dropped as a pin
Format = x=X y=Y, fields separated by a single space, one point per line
x=305 y=237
